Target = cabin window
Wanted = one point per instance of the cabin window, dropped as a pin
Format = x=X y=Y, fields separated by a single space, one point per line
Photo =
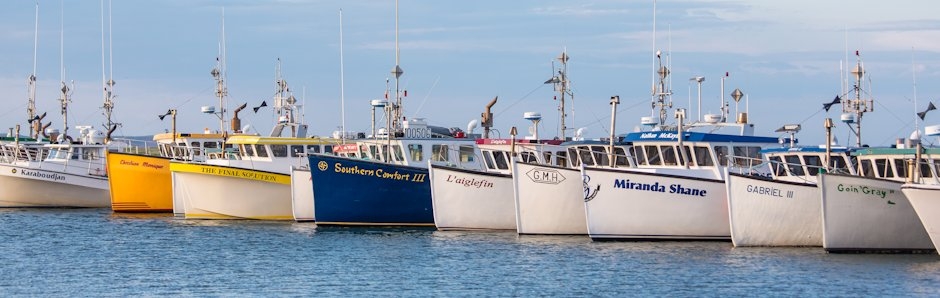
x=575 y=161
x=396 y=152
x=502 y=162
x=813 y=164
x=327 y=148
x=195 y=148
x=165 y=150
x=313 y=149
x=620 y=157
x=488 y=159
x=466 y=154
x=600 y=155
x=416 y=152
x=547 y=157
x=439 y=153
x=688 y=158
x=745 y=156
x=638 y=152
x=210 y=145
x=925 y=170
x=587 y=158
x=794 y=165
x=561 y=158
x=528 y=157
x=882 y=169
x=837 y=163
x=721 y=154
x=865 y=169
x=900 y=167
x=296 y=150
x=261 y=150
x=669 y=155
x=374 y=152
x=89 y=154
x=248 y=150
x=279 y=150
x=652 y=155
x=776 y=166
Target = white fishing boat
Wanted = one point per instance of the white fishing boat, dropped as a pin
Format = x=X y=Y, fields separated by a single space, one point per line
x=783 y=209
x=677 y=190
x=67 y=173
x=925 y=195
x=925 y=198
x=549 y=197
x=868 y=212
x=251 y=181
x=465 y=199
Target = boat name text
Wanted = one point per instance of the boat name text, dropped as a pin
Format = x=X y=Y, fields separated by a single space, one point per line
x=138 y=164
x=379 y=173
x=876 y=192
x=769 y=191
x=36 y=174
x=469 y=182
x=656 y=187
x=240 y=174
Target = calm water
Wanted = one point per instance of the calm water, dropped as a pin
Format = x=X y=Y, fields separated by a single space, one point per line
x=89 y=252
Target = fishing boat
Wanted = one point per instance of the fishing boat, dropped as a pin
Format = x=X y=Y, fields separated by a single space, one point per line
x=924 y=195
x=251 y=181
x=868 y=212
x=69 y=172
x=783 y=208
x=140 y=175
x=471 y=199
x=549 y=197
x=677 y=190
x=383 y=180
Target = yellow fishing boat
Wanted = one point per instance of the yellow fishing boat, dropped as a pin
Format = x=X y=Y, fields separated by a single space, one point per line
x=140 y=176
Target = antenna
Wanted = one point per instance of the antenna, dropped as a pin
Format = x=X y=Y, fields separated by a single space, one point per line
x=219 y=74
x=342 y=87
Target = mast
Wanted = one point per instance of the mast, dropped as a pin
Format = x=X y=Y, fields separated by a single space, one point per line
x=661 y=91
x=342 y=86
x=397 y=71
x=108 y=84
x=34 y=122
x=563 y=88
x=857 y=106
x=65 y=97
x=219 y=72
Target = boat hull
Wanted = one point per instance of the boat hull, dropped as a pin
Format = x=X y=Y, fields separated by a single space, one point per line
x=220 y=192
x=630 y=205
x=548 y=200
x=301 y=194
x=926 y=202
x=360 y=192
x=27 y=187
x=139 y=183
x=471 y=200
x=862 y=214
x=766 y=212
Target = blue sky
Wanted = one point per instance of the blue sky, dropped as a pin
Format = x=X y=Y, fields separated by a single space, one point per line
x=458 y=55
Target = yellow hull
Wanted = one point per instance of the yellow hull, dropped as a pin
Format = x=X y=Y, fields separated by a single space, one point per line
x=139 y=183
